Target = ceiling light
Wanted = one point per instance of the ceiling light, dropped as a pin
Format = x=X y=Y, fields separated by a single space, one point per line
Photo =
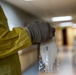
x=62 y=18
x=66 y=24
x=29 y=0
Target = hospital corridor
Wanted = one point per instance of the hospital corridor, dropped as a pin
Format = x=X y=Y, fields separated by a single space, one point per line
x=37 y=37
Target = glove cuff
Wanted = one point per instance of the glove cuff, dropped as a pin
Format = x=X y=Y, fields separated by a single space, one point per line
x=35 y=33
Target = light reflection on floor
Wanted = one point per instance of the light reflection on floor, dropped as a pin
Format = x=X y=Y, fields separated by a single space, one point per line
x=66 y=63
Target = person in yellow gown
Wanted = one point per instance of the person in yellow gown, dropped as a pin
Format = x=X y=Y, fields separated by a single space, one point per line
x=17 y=39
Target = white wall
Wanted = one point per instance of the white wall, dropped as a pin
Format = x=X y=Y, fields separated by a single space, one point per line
x=16 y=17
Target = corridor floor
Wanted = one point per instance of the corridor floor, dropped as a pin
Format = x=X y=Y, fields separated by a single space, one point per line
x=32 y=70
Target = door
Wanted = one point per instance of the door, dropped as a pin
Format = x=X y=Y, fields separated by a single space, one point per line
x=64 y=34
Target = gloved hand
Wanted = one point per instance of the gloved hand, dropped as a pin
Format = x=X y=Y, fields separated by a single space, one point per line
x=41 y=32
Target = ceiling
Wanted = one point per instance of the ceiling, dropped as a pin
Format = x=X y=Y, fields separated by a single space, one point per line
x=46 y=9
